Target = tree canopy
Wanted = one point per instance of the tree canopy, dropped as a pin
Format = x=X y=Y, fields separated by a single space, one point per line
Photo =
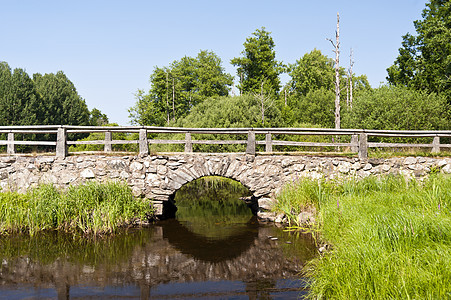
x=19 y=100
x=424 y=60
x=176 y=89
x=49 y=99
x=62 y=103
x=258 y=65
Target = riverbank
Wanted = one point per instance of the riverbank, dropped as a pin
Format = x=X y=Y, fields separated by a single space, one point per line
x=90 y=208
x=390 y=237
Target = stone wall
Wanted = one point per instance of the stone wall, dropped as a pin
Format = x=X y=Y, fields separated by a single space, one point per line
x=159 y=177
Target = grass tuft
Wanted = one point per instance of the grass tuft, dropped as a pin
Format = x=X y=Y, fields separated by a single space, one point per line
x=92 y=208
x=390 y=237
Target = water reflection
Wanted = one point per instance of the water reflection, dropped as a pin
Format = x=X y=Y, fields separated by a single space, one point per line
x=202 y=254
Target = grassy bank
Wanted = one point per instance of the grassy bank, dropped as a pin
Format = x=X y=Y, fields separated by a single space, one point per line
x=92 y=208
x=390 y=238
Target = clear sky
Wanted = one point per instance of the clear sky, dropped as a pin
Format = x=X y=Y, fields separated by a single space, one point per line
x=108 y=49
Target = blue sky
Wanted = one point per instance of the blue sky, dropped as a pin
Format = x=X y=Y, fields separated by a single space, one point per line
x=108 y=49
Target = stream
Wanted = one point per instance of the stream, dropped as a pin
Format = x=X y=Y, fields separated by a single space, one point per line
x=215 y=248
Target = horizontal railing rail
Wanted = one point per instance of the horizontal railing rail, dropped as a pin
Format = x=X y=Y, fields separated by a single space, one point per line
x=358 y=142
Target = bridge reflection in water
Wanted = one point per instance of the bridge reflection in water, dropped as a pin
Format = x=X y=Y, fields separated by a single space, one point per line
x=216 y=256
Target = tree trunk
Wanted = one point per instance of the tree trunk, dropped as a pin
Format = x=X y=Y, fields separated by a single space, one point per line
x=351 y=64
x=167 y=96
x=173 y=99
x=337 y=74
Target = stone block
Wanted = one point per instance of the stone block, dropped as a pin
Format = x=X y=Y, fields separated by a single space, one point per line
x=410 y=160
x=87 y=174
x=367 y=167
x=136 y=166
x=265 y=203
x=344 y=167
x=116 y=164
x=385 y=168
x=447 y=169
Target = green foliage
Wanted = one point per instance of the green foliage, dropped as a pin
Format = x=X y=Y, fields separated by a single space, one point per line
x=312 y=72
x=390 y=237
x=312 y=90
x=316 y=107
x=229 y=112
x=100 y=136
x=398 y=108
x=259 y=65
x=19 y=100
x=92 y=208
x=61 y=103
x=176 y=89
x=97 y=118
x=424 y=60
x=44 y=100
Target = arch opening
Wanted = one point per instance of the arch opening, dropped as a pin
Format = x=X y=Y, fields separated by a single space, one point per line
x=212 y=200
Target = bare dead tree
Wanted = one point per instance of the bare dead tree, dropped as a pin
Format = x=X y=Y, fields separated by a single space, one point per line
x=285 y=97
x=266 y=101
x=336 y=50
x=173 y=99
x=351 y=64
x=241 y=83
x=233 y=88
x=167 y=95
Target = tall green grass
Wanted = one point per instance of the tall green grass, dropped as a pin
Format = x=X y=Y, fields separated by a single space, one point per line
x=390 y=237
x=92 y=208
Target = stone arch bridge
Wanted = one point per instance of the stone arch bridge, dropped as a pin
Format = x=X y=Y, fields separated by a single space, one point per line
x=158 y=177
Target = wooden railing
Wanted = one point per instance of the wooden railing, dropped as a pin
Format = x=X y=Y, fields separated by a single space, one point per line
x=358 y=141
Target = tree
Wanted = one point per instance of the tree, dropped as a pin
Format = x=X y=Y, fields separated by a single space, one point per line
x=337 y=73
x=19 y=100
x=424 y=60
x=265 y=100
x=258 y=64
x=176 y=89
x=311 y=72
x=63 y=105
x=97 y=118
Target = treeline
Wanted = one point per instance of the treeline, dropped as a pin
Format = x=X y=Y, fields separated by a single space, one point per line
x=49 y=99
x=416 y=97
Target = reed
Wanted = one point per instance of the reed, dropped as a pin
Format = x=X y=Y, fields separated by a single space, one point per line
x=92 y=208
x=390 y=237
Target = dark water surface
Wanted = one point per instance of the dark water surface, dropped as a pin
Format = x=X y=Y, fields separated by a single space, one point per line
x=212 y=250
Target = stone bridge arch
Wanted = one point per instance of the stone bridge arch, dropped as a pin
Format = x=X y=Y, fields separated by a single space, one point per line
x=158 y=177
x=169 y=174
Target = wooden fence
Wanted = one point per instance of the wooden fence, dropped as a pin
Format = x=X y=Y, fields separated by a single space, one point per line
x=358 y=141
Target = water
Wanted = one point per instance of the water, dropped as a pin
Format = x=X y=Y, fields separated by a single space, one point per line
x=214 y=249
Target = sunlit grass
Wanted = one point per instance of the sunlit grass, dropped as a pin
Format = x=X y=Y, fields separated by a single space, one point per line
x=92 y=208
x=390 y=237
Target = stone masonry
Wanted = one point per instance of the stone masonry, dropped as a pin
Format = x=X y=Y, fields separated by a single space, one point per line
x=159 y=177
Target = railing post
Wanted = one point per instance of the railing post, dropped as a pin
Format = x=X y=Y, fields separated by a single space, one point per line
x=108 y=139
x=188 y=143
x=143 y=144
x=363 y=146
x=354 y=143
x=250 y=149
x=61 y=143
x=268 y=142
x=436 y=144
x=11 y=148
